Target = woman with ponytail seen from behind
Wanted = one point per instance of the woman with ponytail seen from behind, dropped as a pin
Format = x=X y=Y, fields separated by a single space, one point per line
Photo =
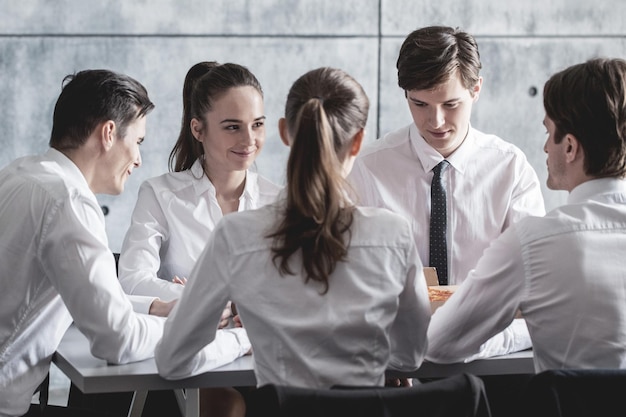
x=329 y=293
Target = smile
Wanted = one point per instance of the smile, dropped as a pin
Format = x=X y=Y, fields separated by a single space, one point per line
x=243 y=153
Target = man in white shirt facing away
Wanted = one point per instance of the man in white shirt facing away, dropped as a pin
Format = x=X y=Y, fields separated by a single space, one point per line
x=489 y=183
x=55 y=263
x=564 y=272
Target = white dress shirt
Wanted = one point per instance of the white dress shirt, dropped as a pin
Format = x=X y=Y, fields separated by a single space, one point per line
x=173 y=218
x=565 y=272
x=490 y=185
x=373 y=317
x=55 y=265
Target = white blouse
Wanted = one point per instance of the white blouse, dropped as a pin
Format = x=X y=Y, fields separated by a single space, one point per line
x=173 y=218
x=373 y=317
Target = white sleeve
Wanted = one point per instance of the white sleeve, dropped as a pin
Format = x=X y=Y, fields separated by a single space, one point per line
x=512 y=339
x=191 y=343
x=483 y=305
x=141 y=303
x=526 y=197
x=408 y=333
x=140 y=255
x=75 y=253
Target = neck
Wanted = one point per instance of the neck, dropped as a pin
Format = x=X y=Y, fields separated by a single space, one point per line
x=229 y=187
x=87 y=166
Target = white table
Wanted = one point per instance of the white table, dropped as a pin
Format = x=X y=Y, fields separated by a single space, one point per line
x=92 y=375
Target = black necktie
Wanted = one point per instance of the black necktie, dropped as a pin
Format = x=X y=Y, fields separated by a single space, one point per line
x=438 y=224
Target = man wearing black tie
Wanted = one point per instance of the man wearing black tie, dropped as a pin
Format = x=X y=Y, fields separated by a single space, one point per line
x=484 y=185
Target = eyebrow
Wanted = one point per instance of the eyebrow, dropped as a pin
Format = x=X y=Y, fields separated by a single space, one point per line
x=452 y=100
x=239 y=121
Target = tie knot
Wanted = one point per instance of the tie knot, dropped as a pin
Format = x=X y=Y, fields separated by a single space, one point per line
x=440 y=167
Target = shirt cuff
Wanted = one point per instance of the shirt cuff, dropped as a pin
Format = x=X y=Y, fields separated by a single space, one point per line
x=141 y=303
x=512 y=339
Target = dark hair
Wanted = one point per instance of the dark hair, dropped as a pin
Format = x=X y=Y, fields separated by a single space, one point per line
x=91 y=97
x=325 y=108
x=205 y=82
x=588 y=101
x=430 y=56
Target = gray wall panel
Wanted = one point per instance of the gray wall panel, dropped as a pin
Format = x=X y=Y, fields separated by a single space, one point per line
x=184 y=17
x=507 y=17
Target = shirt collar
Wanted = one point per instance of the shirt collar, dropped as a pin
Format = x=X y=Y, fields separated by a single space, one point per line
x=590 y=188
x=74 y=174
x=203 y=185
x=429 y=157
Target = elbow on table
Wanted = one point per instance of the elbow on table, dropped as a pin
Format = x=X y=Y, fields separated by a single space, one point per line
x=167 y=365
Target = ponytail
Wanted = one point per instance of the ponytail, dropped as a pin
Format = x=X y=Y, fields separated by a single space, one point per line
x=318 y=214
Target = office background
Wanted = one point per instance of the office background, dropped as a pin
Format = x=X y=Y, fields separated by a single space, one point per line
x=521 y=45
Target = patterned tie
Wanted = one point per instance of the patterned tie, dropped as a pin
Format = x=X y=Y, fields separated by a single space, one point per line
x=438 y=224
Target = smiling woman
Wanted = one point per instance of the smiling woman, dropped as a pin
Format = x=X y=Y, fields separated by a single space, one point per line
x=222 y=132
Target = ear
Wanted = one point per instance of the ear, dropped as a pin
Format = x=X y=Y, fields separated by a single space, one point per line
x=282 y=130
x=196 y=128
x=108 y=133
x=476 y=89
x=357 y=141
x=573 y=150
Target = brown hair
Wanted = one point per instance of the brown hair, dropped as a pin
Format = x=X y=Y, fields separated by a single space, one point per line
x=588 y=101
x=430 y=56
x=205 y=82
x=325 y=109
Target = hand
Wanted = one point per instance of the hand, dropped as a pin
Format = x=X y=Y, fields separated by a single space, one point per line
x=179 y=280
x=236 y=319
x=226 y=315
x=399 y=382
x=161 y=308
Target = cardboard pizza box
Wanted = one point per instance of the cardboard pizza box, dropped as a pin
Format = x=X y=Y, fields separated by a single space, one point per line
x=430 y=272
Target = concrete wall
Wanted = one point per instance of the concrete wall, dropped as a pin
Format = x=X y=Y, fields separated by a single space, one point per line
x=521 y=44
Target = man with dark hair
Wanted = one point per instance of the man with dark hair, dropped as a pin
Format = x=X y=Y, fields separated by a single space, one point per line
x=481 y=184
x=55 y=263
x=566 y=271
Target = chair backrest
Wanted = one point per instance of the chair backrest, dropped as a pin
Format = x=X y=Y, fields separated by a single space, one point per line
x=458 y=396
x=575 y=392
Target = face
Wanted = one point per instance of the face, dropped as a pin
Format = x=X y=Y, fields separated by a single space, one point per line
x=233 y=132
x=442 y=114
x=556 y=162
x=124 y=156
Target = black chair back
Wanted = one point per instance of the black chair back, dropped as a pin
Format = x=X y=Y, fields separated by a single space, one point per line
x=458 y=396
x=576 y=392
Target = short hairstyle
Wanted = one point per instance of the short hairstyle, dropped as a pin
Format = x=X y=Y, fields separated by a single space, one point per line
x=588 y=101
x=91 y=97
x=430 y=56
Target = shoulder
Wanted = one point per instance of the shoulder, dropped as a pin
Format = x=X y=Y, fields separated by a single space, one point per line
x=389 y=143
x=171 y=180
x=47 y=178
x=381 y=226
x=485 y=141
x=245 y=231
x=266 y=186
